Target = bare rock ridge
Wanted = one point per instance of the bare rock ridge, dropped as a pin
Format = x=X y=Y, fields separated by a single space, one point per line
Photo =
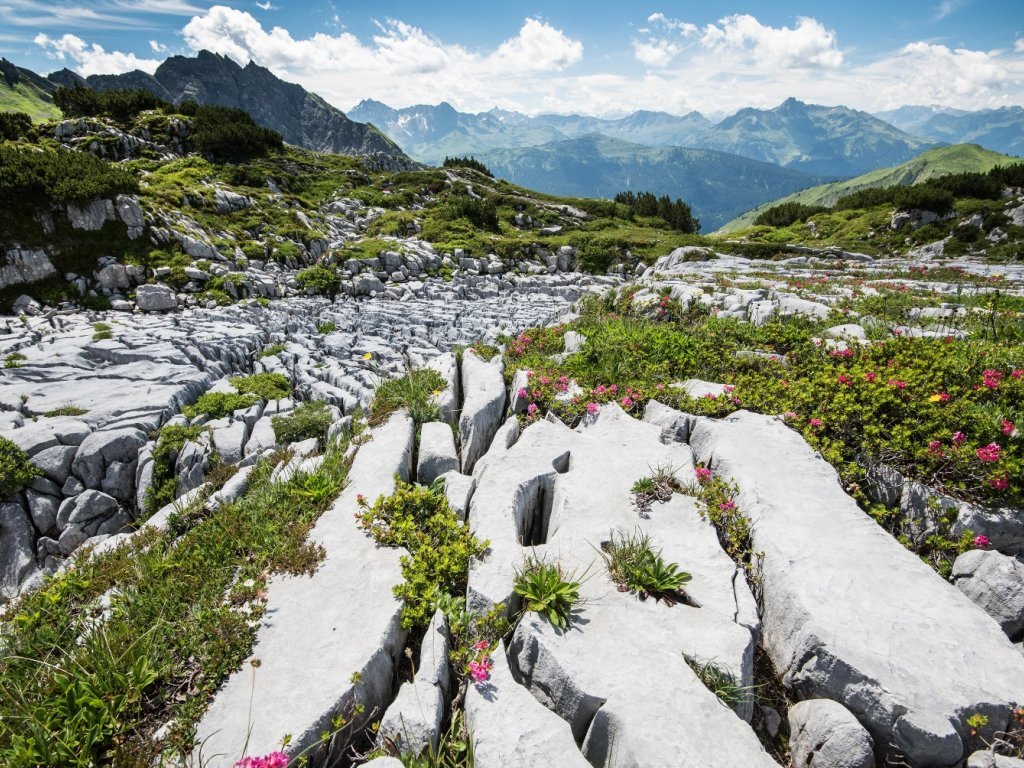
x=302 y=118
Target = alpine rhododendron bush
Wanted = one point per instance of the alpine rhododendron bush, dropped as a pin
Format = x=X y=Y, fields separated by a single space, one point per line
x=945 y=411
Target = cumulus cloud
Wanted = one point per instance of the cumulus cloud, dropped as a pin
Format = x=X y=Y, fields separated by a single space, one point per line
x=807 y=45
x=92 y=59
x=156 y=46
x=1018 y=45
x=656 y=53
x=401 y=63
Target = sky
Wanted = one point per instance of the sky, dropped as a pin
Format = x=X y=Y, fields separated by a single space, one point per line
x=600 y=58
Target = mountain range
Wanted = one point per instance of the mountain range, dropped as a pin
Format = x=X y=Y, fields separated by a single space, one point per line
x=717 y=185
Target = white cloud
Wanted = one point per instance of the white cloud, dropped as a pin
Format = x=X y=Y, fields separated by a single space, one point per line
x=157 y=47
x=946 y=8
x=807 y=45
x=656 y=53
x=266 y=6
x=1018 y=45
x=92 y=59
x=660 y=19
x=400 y=64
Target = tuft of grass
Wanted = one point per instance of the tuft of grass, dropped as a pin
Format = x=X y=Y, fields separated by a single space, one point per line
x=67 y=410
x=13 y=360
x=413 y=391
x=273 y=350
x=326 y=328
x=721 y=682
x=636 y=565
x=102 y=331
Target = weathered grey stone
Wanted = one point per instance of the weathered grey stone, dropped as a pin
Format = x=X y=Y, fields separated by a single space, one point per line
x=262 y=437
x=17 y=549
x=85 y=507
x=448 y=400
x=100 y=449
x=412 y=723
x=155 y=298
x=573 y=342
x=323 y=643
x=483 y=391
x=71 y=538
x=988 y=759
x=437 y=453
x=458 y=489
x=55 y=462
x=43 y=510
x=995 y=582
x=366 y=284
x=824 y=734
x=908 y=653
x=233 y=489
x=229 y=440
x=511 y=729
x=119 y=480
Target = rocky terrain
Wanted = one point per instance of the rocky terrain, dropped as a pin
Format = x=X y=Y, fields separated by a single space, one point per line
x=811 y=635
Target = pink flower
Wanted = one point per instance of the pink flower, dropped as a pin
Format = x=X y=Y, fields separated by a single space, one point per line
x=842 y=378
x=1017 y=373
x=659 y=386
x=599 y=389
x=935 y=448
x=523 y=392
x=272 y=760
x=870 y=376
x=1008 y=427
x=990 y=453
x=726 y=505
x=537 y=394
x=1000 y=483
x=897 y=384
x=483 y=645
x=728 y=388
x=990 y=378
x=790 y=415
x=593 y=408
x=710 y=396
x=532 y=409
x=981 y=542
x=544 y=380
x=842 y=353
x=703 y=474
x=626 y=403
x=959 y=438
x=943 y=397
x=480 y=671
x=815 y=422
x=614 y=389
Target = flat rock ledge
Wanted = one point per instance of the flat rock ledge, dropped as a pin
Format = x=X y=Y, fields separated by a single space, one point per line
x=319 y=631
x=849 y=614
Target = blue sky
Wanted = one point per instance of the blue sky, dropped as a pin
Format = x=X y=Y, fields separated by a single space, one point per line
x=604 y=58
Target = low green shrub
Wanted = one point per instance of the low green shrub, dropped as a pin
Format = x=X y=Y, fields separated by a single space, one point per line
x=439 y=546
x=216 y=405
x=16 y=471
x=546 y=589
x=310 y=419
x=169 y=442
x=326 y=328
x=321 y=280
x=273 y=350
x=266 y=386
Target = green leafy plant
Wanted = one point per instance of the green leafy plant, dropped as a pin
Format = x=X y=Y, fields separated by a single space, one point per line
x=439 y=546
x=266 y=386
x=16 y=471
x=327 y=328
x=546 y=589
x=218 y=404
x=318 y=279
x=273 y=350
x=67 y=410
x=636 y=565
x=308 y=420
x=13 y=360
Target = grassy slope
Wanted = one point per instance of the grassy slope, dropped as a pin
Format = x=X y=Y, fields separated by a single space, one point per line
x=958 y=158
x=24 y=97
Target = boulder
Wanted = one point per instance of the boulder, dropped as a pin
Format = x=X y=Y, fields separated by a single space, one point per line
x=43 y=509
x=85 y=508
x=483 y=391
x=989 y=759
x=458 y=489
x=823 y=734
x=366 y=284
x=101 y=448
x=437 y=453
x=849 y=614
x=17 y=549
x=155 y=298
x=448 y=399
x=55 y=462
x=995 y=582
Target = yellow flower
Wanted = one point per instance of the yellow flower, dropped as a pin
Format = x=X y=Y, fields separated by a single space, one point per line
x=368 y=356
x=934 y=398
x=437 y=392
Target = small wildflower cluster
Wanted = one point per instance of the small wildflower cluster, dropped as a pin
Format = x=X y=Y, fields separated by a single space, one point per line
x=480 y=667
x=272 y=760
